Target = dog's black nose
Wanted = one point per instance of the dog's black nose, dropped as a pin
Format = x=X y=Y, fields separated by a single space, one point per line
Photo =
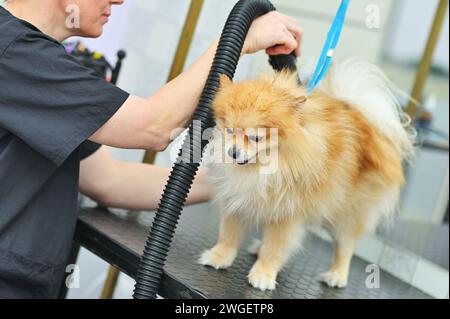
x=233 y=152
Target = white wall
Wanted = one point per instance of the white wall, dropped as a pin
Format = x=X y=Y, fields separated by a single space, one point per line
x=152 y=36
x=409 y=31
x=426 y=195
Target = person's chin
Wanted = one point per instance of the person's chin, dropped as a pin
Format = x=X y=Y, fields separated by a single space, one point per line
x=93 y=33
x=97 y=33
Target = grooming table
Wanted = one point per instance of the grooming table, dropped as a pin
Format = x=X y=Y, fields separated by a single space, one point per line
x=120 y=241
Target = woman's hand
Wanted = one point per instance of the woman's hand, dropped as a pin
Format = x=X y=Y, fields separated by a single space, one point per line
x=274 y=32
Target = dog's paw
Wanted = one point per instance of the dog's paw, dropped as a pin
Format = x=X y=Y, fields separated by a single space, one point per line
x=253 y=248
x=334 y=279
x=262 y=277
x=219 y=257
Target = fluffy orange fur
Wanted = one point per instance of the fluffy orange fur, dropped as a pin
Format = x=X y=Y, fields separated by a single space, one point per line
x=335 y=169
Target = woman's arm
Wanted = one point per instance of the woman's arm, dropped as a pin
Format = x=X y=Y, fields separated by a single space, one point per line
x=150 y=123
x=132 y=186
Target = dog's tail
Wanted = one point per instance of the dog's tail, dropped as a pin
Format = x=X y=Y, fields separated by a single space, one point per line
x=365 y=88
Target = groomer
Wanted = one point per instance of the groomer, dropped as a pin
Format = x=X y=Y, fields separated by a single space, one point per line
x=56 y=114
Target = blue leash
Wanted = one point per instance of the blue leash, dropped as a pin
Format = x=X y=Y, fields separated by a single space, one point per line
x=329 y=47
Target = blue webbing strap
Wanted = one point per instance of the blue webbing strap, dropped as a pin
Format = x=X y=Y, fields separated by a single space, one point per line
x=329 y=47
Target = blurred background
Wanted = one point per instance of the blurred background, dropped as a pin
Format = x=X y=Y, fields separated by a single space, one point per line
x=391 y=33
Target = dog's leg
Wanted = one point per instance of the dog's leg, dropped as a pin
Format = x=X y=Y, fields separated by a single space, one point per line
x=224 y=252
x=280 y=240
x=337 y=276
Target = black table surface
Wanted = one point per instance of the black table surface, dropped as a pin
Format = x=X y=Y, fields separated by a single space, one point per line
x=120 y=240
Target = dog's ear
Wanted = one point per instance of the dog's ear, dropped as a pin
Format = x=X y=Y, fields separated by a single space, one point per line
x=224 y=81
x=301 y=100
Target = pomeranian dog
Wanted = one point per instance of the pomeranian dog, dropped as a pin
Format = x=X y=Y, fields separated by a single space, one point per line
x=336 y=161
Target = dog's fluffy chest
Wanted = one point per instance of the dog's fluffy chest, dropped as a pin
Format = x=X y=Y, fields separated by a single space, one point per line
x=252 y=195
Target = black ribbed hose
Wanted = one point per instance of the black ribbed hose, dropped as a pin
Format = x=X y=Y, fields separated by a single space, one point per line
x=183 y=173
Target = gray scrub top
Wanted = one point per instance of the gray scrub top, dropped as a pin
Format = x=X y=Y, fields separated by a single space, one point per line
x=49 y=107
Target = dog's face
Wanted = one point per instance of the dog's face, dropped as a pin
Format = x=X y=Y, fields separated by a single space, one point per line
x=254 y=117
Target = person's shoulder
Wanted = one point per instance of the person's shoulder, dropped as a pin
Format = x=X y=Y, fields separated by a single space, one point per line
x=10 y=29
x=13 y=29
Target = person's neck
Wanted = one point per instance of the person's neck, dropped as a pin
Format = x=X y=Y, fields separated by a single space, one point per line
x=44 y=15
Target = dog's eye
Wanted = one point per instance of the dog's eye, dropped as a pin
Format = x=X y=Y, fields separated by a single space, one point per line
x=254 y=138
